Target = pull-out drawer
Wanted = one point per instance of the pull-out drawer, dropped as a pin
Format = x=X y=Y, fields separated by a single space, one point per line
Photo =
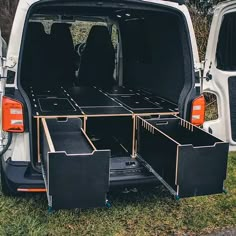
x=76 y=173
x=189 y=161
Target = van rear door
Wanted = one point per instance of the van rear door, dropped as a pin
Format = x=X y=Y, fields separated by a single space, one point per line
x=220 y=71
x=1 y=54
x=3 y=51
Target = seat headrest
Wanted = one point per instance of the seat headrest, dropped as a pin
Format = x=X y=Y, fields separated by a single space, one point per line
x=60 y=29
x=98 y=35
x=35 y=30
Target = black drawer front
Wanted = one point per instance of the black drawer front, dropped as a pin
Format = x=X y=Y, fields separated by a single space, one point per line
x=78 y=181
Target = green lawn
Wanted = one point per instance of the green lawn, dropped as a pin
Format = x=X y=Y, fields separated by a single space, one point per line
x=152 y=212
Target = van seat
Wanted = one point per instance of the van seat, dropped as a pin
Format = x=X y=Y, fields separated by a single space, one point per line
x=34 y=63
x=63 y=63
x=98 y=59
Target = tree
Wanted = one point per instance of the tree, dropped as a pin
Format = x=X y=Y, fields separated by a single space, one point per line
x=203 y=6
x=7 y=12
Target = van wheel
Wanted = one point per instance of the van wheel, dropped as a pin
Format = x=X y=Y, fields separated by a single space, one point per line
x=5 y=189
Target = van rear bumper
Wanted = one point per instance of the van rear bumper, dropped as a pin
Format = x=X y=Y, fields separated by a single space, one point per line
x=19 y=175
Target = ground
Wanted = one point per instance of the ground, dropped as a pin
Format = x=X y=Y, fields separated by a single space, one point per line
x=147 y=212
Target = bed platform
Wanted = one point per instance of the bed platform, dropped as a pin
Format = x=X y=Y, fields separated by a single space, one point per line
x=81 y=130
x=92 y=101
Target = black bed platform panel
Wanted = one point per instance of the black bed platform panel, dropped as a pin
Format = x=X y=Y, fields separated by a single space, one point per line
x=92 y=101
x=189 y=161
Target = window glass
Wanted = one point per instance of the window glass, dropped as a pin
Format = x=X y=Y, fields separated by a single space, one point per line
x=80 y=30
x=115 y=36
x=226 y=48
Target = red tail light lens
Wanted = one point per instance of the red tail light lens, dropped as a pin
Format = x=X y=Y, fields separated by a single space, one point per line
x=198 y=111
x=12 y=115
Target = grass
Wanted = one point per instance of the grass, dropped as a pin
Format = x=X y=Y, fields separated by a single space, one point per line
x=148 y=212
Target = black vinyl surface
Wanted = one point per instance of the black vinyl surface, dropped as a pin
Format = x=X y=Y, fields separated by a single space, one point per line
x=120 y=90
x=52 y=102
x=45 y=93
x=91 y=97
x=55 y=105
x=94 y=101
x=136 y=102
x=232 y=104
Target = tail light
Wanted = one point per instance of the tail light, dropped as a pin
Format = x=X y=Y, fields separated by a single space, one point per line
x=12 y=115
x=198 y=111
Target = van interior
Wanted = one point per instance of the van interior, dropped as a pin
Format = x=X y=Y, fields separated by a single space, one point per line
x=107 y=60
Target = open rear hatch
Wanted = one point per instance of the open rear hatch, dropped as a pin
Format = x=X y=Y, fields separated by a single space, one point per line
x=89 y=131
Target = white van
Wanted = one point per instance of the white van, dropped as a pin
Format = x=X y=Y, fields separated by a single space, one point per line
x=101 y=94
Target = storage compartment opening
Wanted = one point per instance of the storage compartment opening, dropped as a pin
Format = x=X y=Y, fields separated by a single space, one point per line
x=156 y=149
x=113 y=133
x=68 y=136
x=186 y=159
x=183 y=132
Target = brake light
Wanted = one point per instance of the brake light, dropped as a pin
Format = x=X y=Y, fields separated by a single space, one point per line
x=198 y=111
x=12 y=115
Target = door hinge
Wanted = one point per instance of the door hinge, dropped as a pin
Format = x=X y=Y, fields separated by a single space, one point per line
x=11 y=62
x=208 y=76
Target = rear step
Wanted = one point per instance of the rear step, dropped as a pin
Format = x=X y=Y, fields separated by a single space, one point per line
x=186 y=159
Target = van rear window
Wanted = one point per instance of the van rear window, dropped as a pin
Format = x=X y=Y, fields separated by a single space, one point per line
x=226 y=48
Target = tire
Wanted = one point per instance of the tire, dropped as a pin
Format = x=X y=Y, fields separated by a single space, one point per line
x=5 y=189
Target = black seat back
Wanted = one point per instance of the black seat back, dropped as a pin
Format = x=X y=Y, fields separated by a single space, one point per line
x=63 y=63
x=98 y=59
x=34 y=54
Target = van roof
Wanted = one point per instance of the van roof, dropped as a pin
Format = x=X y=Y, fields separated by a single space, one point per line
x=177 y=1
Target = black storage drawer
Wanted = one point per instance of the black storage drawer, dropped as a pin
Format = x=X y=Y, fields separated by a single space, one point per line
x=189 y=161
x=75 y=172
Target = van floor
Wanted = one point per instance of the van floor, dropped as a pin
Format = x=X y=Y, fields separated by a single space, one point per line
x=92 y=101
x=109 y=142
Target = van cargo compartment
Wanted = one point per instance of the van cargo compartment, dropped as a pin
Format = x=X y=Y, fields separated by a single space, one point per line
x=189 y=161
x=75 y=172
